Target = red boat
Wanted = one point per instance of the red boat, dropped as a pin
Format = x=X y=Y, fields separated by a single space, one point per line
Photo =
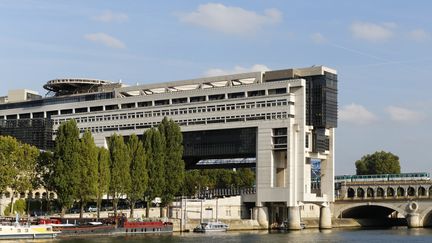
x=110 y=225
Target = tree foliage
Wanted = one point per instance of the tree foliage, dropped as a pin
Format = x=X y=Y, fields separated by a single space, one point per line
x=88 y=170
x=217 y=178
x=380 y=162
x=154 y=148
x=19 y=207
x=66 y=168
x=138 y=171
x=173 y=164
x=120 y=182
x=18 y=165
x=103 y=176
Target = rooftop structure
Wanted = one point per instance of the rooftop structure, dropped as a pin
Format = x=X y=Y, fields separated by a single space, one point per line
x=68 y=86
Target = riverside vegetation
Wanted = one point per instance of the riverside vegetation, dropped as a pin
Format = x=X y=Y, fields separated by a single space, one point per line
x=80 y=172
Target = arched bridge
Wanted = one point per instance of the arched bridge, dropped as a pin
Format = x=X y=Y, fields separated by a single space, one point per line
x=406 y=202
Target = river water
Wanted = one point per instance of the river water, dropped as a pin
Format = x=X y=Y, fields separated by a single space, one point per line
x=393 y=235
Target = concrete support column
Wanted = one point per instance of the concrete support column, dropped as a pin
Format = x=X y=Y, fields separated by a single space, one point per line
x=325 y=218
x=293 y=220
x=413 y=220
x=260 y=214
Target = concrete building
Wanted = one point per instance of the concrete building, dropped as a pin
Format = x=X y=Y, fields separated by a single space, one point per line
x=283 y=121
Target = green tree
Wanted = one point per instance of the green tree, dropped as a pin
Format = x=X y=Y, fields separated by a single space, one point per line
x=66 y=157
x=119 y=168
x=173 y=163
x=45 y=171
x=103 y=177
x=88 y=170
x=380 y=162
x=138 y=171
x=245 y=178
x=19 y=207
x=154 y=150
x=18 y=164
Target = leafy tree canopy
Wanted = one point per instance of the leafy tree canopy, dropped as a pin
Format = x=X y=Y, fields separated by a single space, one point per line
x=380 y=162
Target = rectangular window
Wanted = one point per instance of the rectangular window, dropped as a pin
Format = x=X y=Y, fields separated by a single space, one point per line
x=161 y=102
x=197 y=98
x=277 y=91
x=144 y=104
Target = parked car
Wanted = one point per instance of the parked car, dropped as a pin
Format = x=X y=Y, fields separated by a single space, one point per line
x=92 y=209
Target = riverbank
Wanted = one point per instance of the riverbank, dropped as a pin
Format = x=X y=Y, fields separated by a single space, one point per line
x=248 y=224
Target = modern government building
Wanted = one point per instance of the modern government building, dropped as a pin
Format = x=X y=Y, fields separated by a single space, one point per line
x=280 y=122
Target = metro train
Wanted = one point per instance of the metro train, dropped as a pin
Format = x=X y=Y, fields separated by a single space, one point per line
x=420 y=176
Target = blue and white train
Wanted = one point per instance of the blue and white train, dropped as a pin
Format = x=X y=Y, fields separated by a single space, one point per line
x=421 y=176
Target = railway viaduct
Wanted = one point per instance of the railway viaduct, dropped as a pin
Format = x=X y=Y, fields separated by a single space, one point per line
x=409 y=200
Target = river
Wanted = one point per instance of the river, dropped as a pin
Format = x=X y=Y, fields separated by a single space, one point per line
x=393 y=235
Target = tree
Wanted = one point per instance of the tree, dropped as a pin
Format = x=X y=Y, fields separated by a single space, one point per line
x=154 y=150
x=88 y=170
x=380 y=162
x=119 y=168
x=66 y=157
x=245 y=178
x=103 y=181
x=138 y=171
x=173 y=163
x=45 y=171
x=19 y=164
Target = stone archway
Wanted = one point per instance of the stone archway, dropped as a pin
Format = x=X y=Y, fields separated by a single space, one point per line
x=421 y=192
x=350 y=193
x=430 y=191
x=370 y=192
x=373 y=214
x=411 y=191
x=360 y=192
x=380 y=192
x=400 y=192
x=390 y=192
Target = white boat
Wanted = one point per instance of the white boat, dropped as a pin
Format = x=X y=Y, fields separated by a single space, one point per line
x=211 y=227
x=18 y=231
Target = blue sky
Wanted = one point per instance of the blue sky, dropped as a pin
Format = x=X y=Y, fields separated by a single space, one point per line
x=381 y=49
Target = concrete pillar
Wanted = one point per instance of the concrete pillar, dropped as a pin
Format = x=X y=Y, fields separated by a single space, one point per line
x=293 y=220
x=325 y=218
x=260 y=214
x=413 y=220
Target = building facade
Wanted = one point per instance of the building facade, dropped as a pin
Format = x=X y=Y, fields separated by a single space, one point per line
x=284 y=121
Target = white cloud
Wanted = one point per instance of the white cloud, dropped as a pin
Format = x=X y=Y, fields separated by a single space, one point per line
x=236 y=69
x=105 y=39
x=318 y=38
x=372 y=32
x=400 y=114
x=356 y=114
x=419 y=35
x=109 y=16
x=230 y=20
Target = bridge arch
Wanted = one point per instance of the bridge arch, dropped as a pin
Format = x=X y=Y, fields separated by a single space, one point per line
x=370 y=192
x=421 y=191
x=380 y=192
x=411 y=191
x=390 y=192
x=360 y=192
x=350 y=192
x=367 y=209
x=426 y=217
x=430 y=191
x=400 y=192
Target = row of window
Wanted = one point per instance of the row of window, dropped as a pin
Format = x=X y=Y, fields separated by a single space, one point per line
x=164 y=102
x=181 y=111
x=193 y=121
x=36 y=195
